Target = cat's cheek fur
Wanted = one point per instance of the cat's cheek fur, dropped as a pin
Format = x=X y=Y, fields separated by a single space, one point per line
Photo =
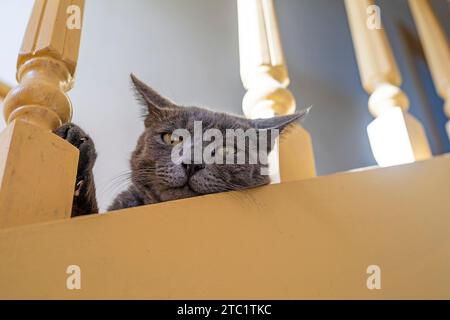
x=205 y=182
x=174 y=176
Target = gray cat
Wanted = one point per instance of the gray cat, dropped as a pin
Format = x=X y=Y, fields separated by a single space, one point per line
x=155 y=177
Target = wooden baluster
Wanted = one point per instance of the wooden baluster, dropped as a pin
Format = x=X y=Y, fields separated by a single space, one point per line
x=436 y=49
x=265 y=76
x=395 y=136
x=37 y=168
x=4 y=89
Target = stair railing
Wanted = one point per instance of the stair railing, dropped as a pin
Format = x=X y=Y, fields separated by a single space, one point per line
x=37 y=168
x=33 y=158
x=395 y=136
x=4 y=89
x=436 y=49
x=265 y=76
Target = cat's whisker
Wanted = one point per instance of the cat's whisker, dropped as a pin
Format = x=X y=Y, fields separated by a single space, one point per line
x=116 y=183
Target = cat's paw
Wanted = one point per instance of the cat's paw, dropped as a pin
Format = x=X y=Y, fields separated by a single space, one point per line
x=84 y=196
x=78 y=138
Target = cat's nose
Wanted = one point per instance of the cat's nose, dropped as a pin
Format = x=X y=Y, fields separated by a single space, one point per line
x=192 y=168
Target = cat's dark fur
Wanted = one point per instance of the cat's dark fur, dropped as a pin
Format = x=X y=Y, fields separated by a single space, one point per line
x=84 y=200
x=154 y=176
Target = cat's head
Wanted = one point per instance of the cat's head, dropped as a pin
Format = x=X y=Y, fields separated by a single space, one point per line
x=159 y=171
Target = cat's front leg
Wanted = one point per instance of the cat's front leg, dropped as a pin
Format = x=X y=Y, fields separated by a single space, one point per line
x=84 y=200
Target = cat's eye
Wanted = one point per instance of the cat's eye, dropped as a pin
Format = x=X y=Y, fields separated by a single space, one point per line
x=171 y=139
x=225 y=151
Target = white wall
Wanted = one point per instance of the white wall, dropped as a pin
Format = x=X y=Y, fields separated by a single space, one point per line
x=189 y=51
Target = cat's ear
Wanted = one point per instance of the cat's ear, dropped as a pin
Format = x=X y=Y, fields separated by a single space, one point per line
x=280 y=123
x=274 y=127
x=155 y=103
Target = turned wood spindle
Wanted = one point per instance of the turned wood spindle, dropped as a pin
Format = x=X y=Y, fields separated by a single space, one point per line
x=4 y=89
x=46 y=66
x=265 y=76
x=395 y=136
x=37 y=168
x=436 y=49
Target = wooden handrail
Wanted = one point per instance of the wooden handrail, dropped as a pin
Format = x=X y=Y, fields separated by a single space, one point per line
x=395 y=136
x=37 y=168
x=309 y=239
x=436 y=49
x=265 y=76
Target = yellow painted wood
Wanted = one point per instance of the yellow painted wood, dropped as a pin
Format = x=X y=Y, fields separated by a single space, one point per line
x=388 y=134
x=265 y=76
x=295 y=159
x=374 y=55
x=45 y=67
x=4 y=89
x=37 y=175
x=309 y=239
x=38 y=169
x=47 y=33
x=436 y=49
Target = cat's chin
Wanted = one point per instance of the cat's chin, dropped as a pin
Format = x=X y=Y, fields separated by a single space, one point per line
x=178 y=193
